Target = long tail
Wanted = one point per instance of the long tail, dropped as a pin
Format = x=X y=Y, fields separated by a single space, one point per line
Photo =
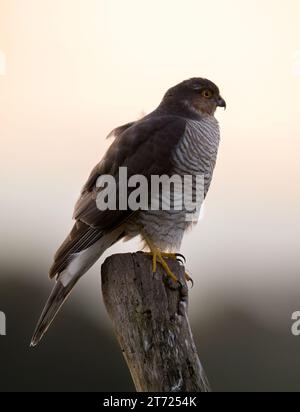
x=78 y=265
x=55 y=301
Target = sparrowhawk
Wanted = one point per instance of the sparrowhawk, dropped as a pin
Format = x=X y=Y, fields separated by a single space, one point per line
x=181 y=136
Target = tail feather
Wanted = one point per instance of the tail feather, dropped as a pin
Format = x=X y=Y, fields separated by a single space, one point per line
x=78 y=265
x=56 y=299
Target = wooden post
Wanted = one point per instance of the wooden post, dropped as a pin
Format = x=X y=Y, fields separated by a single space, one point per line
x=149 y=315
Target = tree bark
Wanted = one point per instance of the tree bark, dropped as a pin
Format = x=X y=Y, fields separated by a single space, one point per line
x=149 y=316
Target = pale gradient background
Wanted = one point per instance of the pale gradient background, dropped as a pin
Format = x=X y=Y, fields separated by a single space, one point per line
x=75 y=69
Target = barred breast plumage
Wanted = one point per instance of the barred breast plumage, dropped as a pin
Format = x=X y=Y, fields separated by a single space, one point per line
x=194 y=155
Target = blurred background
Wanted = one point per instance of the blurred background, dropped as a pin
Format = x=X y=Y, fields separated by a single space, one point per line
x=72 y=70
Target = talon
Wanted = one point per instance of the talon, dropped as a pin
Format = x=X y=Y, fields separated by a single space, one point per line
x=167 y=269
x=158 y=256
x=181 y=259
x=188 y=279
x=181 y=284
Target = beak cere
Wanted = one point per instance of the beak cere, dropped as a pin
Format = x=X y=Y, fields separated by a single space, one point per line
x=221 y=102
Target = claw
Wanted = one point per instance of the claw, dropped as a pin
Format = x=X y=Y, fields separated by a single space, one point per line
x=180 y=258
x=189 y=279
x=158 y=256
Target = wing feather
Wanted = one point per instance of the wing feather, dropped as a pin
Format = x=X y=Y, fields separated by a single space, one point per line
x=144 y=147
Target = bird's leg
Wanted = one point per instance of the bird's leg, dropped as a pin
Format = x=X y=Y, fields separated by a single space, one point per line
x=158 y=256
x=180 y=258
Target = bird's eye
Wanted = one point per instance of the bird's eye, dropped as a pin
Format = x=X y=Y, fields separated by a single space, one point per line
x=207 y=94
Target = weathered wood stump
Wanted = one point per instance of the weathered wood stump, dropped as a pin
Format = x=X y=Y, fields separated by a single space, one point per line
x=149 y=316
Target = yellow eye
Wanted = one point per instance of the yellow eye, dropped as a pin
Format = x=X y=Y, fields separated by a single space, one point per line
x=207 y=94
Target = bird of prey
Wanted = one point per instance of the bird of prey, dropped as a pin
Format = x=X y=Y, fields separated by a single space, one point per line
x=181 y=136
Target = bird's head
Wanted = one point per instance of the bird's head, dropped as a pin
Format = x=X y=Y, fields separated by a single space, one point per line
x=198 y=94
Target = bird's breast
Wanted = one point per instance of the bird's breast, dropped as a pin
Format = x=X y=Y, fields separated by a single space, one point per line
x=194 y=155
x=197 y=150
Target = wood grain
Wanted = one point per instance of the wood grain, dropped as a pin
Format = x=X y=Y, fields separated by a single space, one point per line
x=149 y=316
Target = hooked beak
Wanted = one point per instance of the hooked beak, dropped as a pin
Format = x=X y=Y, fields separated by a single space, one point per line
x=221 y=102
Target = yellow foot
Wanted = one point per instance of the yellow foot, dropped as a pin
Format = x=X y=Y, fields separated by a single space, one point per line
x=158 y=256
